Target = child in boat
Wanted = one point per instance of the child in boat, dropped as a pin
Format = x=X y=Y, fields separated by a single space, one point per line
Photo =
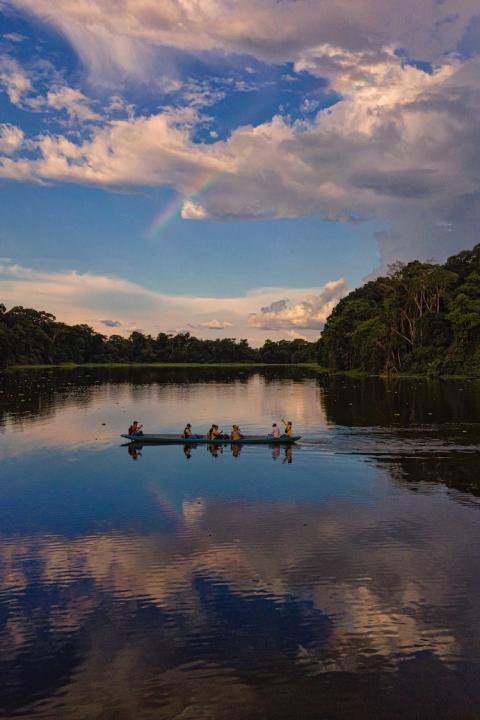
x=135 y=428
x=288 y=432
x=235 y=434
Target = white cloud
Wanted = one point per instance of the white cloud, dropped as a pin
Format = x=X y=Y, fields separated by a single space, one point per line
x=108 y=34
x=87 y=298
x=14 y=37
x=348 y=70
x=401 y=148
x=154 y=150
x=193 y=211
x=74 y=102
x=13 y=80
x=198 y=94
x=11 y=138
x=310 y=313
x=216 y=324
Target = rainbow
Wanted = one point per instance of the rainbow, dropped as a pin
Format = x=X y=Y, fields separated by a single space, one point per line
x=173 y=208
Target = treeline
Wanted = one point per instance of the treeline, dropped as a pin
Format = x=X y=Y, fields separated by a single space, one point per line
x=31 y=337
x=421 y=318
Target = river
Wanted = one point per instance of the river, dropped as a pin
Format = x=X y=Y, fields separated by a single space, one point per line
x=338 y=579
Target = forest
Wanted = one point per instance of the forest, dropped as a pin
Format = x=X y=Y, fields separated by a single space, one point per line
x=33 y=337
x=421 y=318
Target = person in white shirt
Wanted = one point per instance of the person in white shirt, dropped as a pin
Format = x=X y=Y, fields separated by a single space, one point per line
x=276 y=431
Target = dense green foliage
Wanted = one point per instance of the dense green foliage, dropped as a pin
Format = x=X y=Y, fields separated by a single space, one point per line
x=29 y=337
x=421 y=318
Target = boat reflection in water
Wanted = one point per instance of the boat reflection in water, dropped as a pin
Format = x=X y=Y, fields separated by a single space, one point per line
x=135 y=451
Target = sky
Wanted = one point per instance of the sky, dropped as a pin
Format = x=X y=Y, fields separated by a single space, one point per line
x=230 y=169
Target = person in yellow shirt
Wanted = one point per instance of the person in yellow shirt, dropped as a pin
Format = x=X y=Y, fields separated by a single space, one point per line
x=236 y=434
x=288 y=427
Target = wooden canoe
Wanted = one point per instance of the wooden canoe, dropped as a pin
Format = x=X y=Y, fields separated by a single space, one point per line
x=201 y=439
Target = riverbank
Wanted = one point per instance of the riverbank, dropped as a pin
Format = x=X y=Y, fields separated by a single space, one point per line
x=248 y=366
x=160 y=365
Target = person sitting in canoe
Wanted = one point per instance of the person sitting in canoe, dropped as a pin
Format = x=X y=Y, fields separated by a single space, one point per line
x=188 y=435
x=275 y=431
x=235 y=434
x=214 y=433
x=288 y=432
x=135 y=428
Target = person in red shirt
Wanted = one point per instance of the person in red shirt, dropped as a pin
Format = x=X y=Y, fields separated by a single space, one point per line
x=135 y=428
x=214 y=433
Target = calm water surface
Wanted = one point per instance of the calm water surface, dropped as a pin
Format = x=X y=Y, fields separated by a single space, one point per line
x=336 y=580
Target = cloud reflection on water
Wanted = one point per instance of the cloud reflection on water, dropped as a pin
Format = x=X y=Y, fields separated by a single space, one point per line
x=345 y=581
x=356 y=592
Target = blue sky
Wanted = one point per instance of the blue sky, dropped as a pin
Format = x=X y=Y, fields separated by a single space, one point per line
x=229 y=170
x=108 y=231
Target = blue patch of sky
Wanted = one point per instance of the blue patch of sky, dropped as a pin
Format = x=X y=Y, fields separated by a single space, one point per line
x=36 y=39
x=469 y=44
x=31 y=123
x=422 y=65
x=47 y=59
x=240 y=90
x=67 y=227
x=255 y=100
